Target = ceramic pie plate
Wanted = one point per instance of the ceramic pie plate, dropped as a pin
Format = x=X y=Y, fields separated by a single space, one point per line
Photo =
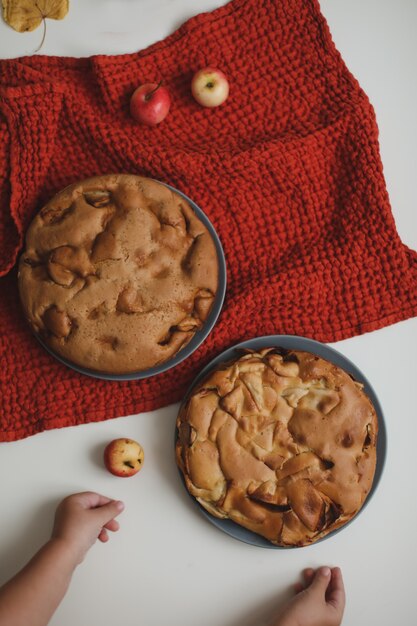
x=199 y=336
x=292 y=342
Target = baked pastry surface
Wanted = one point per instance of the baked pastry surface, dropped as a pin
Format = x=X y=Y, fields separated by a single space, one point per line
x=281 y=442
x=118 y=273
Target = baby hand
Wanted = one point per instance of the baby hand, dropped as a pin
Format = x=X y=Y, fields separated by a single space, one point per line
x=319 y=602
x=82 y=518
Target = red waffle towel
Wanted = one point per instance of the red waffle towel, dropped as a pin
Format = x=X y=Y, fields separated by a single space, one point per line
x=288 y=170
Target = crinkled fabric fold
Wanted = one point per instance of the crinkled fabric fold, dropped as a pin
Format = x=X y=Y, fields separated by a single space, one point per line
x=288 y=170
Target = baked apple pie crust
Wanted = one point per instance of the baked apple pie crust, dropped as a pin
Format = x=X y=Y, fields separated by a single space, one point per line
x=281 y=442
x=118 y=273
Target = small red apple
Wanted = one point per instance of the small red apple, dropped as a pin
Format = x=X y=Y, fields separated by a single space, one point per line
x=123 y=457
x=150 y=104
x=210 y=87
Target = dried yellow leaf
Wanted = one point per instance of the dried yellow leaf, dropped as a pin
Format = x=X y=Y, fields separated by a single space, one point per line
x=24 y=15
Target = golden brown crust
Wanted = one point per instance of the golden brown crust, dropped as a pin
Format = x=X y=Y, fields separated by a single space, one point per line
x=118 y=273
x=281 y=442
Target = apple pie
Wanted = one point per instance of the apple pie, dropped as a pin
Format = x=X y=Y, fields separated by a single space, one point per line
x=118 y=273
x=282 y=442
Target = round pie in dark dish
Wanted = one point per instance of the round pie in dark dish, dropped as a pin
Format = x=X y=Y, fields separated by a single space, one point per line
x=281 y=441
x=122 y=276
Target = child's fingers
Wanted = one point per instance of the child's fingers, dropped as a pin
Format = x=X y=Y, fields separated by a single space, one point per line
x=298 y=587
x=320 y=581
x=113 y=525
x=308 y=575
x=90 y=499
x=104 y=514
x=336 y=591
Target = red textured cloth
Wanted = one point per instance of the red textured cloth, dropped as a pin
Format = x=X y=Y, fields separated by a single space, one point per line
x=288 y=170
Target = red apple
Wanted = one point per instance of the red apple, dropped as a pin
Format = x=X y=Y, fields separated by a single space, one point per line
x=123 y=457
x=150 y=104
x=210 y=87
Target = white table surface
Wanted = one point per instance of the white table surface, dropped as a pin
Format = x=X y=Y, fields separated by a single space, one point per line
x=168 y=565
